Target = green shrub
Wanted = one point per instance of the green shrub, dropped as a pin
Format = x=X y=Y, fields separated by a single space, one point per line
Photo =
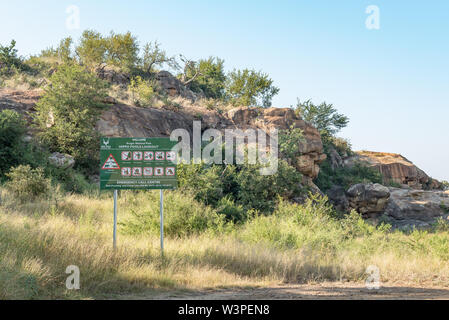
x=12 y=130
x=70 y=180
x=346 y=176
x=261 y=192
x=67 y=114
x=9 y=60
x=289 y=141
x=243 y=184
x=233 y=212
x=27 y=183
x=183 y=216
x=142 y=91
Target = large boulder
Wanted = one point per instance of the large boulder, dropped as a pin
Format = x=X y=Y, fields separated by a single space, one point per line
x=395 y=168
x=337 y=196
x=367 y=198
x=417 y=205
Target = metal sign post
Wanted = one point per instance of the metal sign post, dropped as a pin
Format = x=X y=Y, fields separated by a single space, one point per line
x=162 y=220
x=115 y=221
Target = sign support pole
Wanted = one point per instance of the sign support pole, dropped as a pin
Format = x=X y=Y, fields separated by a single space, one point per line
x=162 y=220
x=115 y=220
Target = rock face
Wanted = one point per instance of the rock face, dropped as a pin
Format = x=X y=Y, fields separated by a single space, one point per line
x=369 y=198
x=113 y=76
x=395 y=168
x=173 y=86
x=337 y=196
x=311 y=148
x=409 y=206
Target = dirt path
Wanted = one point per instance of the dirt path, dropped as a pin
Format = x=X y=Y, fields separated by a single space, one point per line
x=325 y=291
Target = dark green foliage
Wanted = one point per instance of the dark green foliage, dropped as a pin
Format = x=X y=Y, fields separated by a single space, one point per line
x=231 y=211
x=250 y=88
x=289 y=141
x=345 y=176
x=67 y=113
x=211 y=79
x=241 y=184
x=12 y=130
x=9 y=60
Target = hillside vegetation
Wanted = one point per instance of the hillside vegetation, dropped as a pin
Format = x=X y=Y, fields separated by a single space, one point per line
x=226 y=225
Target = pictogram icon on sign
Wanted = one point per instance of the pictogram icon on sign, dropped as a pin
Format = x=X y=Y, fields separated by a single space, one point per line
x=137 y=155
x=158 y=171
x=160 y=155
x=137 y=171
x=148 y=155
x=110 y=163
x=170 y=171
x=147 y=171
x=170 y=155
x=126 y=171
x=126 y=155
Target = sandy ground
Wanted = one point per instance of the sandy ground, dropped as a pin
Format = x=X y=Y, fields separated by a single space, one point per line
x=331 y=290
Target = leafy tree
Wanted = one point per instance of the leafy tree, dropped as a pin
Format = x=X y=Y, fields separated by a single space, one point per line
x=68 y=112
x=91 y=49
x=249 y=88
x=211 y=78
x=323 y=116
x=12 y=130
x=122 y=50
x=9 y=58
x=154 y=56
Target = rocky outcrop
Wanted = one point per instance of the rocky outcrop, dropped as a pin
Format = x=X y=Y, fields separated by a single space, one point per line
x=113 y=76
x=402 y=208
x=311 y=148
x=174 y=87
x=337 y=196
x=417 y=205
x=395 y=168
x=368 y=198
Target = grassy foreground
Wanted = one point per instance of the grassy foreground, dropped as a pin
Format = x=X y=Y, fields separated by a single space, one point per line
x=297 y=244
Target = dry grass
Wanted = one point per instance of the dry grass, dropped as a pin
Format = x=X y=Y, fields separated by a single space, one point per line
x=39 y=240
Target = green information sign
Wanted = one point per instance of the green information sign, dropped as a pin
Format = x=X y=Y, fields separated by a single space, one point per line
x=137 y=163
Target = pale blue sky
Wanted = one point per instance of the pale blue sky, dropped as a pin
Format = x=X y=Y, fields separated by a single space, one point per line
x=393 y=83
